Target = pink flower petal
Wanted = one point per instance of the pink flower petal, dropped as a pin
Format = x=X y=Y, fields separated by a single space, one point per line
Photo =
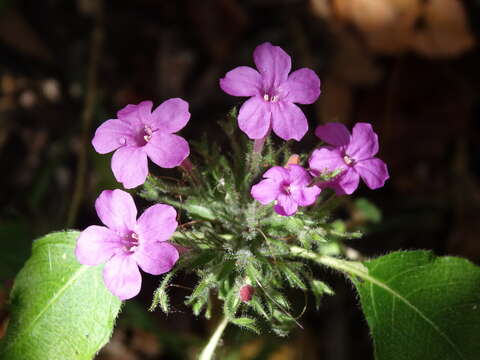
x=364 y=142
x=113 y=134
x=167 y=150
x=346 y=183
x=265 y=191
x=277 y=173
x=254 y=118
x=156 y=258
x=157 y=223
x=122 y=276
x=130 y=166
x=302 y=86
x=286 y=206
x=170 y=116
x=298 y=175
x=273 y=63
x=288 y=121
x=117 y=210
x=326 y=160
x=373 y=171
x=136 y=114
x=242 y=81
x=335 y=134
x=306 y=196
x=96 y=245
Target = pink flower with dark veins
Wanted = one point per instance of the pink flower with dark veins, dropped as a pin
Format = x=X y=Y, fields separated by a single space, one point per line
x=139 y=133
x=273 y=94
x=353 y=154
x=125 y=243
x=289 y=187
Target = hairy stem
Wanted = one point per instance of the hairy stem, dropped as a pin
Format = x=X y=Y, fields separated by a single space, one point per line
x=209 y=349
x=352 y=268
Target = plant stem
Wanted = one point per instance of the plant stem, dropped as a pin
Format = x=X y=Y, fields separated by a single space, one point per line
x=209 y=350
x=349 y=267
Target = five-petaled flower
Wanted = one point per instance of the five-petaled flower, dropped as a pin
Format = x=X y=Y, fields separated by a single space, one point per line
x=126 y=243
x=288 y=186
x=352 y=154
x=273 y=93
x=137 y=133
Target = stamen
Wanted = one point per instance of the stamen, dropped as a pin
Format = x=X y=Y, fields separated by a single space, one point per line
x=270 y=98
x=132 y=243
x=122 y=141
x=148 y=133
x=348 y=160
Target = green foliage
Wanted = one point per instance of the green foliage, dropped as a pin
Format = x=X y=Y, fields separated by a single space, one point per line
x=160 y=296
x=368 y=210
x=233 y=240
x=247 y=323
x=319 y=289
x=419 y=306
x=59 y=308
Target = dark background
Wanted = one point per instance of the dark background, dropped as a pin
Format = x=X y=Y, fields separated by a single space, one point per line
x=410 y=67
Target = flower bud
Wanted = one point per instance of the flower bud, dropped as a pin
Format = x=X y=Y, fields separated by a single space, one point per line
x=293 y=160
x=246 y=293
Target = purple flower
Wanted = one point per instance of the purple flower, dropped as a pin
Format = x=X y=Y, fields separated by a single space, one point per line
x=272 y=94
x=288 y=186
x=353 y=154
x=137 y=133
x=126 y=243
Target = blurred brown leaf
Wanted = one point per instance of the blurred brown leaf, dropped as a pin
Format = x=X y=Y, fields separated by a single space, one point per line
x=387 y=25
x=445 y=32
x=431 y=27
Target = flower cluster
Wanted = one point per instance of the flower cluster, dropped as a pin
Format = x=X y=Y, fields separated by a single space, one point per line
x=126 y=243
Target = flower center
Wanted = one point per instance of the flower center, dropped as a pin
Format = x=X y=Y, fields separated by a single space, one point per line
x=147 y=133
x=270 y=98
x=348 y=160
x=288 y=188
x=132 y=242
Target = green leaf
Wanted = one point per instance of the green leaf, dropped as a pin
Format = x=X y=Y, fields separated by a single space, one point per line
x=292 y=278
x=199 y=211
x=319 y=289
x=160 y=296
x=60 y=309
x=231 y=303
x=368 y=210
x=247 y=323
x=419 y=306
